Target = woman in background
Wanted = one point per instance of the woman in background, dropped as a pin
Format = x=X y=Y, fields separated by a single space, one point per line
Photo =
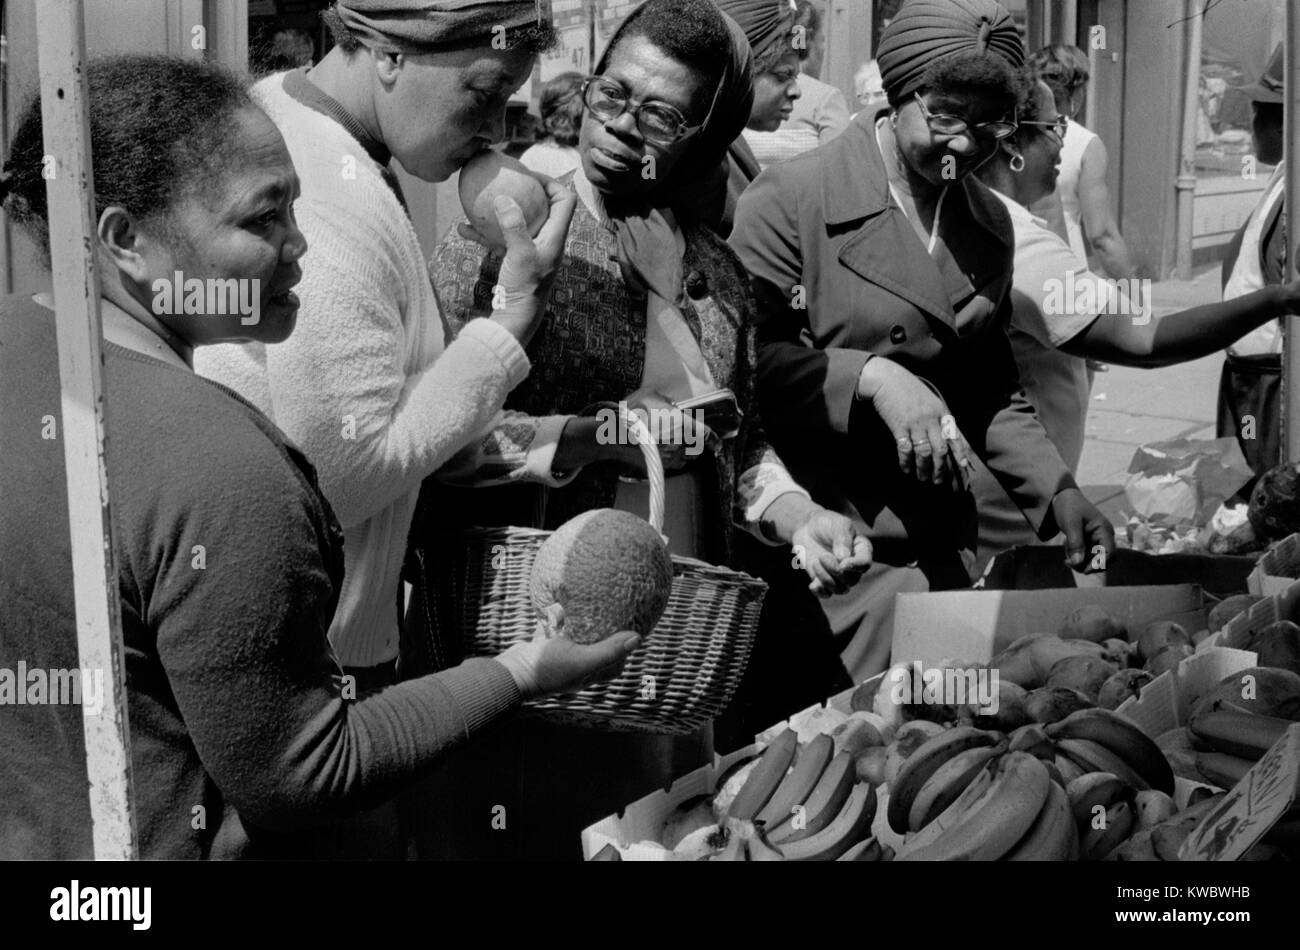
x=769 y=27
x=820 y=113
x=1084 y=194
x=556 y=154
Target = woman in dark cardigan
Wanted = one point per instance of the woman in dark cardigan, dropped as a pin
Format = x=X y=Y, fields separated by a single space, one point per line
x=648 y=306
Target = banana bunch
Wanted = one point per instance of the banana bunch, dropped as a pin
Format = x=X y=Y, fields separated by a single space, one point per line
x=1230 y=740
x=798 y=801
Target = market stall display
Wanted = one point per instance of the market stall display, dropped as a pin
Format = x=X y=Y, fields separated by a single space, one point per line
x=886 y=772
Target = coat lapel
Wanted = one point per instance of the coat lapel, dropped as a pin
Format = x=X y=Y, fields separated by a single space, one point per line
x=886 y=250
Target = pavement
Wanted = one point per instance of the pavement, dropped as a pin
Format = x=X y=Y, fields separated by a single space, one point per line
x=1133 y=407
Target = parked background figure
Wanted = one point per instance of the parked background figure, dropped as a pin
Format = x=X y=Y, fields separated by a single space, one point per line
x=556 y=153
x=1085 y=204
x=820 y=113
x=1250 y=387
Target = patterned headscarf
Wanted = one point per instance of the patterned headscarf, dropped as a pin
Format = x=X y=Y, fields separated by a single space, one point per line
x=928 y=30
x=409 y=26
x=647 y=249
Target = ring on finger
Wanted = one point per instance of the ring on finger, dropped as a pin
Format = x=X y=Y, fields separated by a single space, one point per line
x=923 y=444
x=903 y=442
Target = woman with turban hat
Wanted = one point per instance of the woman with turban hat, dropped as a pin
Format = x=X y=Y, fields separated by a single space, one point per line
x=882 y=271
x=769 y=28
x=368 y=389
x=649 y=307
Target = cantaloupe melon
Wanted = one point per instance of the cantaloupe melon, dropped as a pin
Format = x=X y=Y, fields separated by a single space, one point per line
x=599 y=573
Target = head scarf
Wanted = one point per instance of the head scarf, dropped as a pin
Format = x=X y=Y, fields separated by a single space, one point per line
x=928 y=30
x=766 y=23
x=647 y=250
x=409 y=26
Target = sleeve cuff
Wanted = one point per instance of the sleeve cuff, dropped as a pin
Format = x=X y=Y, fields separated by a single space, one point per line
x=502 y=344
x=759 y=487
x=483 y=690
x=539 y=463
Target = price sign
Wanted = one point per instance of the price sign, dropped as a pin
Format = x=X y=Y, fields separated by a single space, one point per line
x=1263 y=796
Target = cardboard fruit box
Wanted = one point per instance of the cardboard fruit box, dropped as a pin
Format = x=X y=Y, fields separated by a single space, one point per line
x=1283 y=605
x=972 y=626
x=1278 y=568
x=966 y=625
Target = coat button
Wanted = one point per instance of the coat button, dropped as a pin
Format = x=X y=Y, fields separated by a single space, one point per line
x=697 y=285
x=897 y=334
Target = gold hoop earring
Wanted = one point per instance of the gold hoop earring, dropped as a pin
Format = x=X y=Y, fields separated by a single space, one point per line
x=1017 y=163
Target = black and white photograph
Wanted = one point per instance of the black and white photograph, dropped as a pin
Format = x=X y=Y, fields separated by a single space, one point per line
x=550 y=431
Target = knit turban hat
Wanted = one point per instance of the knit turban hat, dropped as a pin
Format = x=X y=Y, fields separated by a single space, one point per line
x=928 y=30
x=765 y=22
x=408 y=26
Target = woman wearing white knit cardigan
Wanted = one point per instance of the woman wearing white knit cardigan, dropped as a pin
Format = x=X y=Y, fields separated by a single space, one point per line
x=368 y=389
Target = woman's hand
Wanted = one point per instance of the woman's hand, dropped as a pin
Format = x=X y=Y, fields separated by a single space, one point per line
x=550 y=666
x=926 y=435
x=1086 y=530
x=832 y=552
x=524 y=280
x=679 y=436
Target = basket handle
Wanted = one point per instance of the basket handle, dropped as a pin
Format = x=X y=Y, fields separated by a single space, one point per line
x=653 y=464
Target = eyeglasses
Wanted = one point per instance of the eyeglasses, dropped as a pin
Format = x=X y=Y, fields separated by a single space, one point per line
x=946 y=124
x=658 y=122
x=1059 y=126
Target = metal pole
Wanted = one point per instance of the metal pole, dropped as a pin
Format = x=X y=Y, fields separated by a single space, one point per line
x=61 y=47
x=1185 y=184
x=1291 y=352
x=1069 y=31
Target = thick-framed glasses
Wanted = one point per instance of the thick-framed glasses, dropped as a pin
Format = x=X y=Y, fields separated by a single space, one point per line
x=946 y=124
x=1059 y=125
x=658 y=122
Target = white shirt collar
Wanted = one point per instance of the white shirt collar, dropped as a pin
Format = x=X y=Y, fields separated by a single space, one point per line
x=1019 y=211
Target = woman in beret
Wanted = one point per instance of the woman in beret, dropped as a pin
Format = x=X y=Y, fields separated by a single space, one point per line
x=882 y=271
x=649 y=307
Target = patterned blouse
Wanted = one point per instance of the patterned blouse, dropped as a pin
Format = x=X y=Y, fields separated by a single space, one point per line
x=591 y=348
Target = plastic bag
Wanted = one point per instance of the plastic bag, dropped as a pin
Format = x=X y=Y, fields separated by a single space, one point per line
x=1182 y=483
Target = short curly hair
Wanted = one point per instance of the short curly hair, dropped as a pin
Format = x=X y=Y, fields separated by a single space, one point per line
x=693 y=32
x=1064 y=68
x=561 y=106
x=160 y=128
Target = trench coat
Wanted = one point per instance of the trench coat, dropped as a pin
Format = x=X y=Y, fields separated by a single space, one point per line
x=839 y=273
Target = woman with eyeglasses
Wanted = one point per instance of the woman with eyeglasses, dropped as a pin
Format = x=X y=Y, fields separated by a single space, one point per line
x=1063 y=314
x=649 y=308
x=882 y=271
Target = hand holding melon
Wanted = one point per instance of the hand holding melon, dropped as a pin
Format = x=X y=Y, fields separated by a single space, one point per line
x=489 y=176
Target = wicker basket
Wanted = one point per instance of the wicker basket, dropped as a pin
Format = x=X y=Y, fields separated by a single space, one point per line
x=683 y=675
